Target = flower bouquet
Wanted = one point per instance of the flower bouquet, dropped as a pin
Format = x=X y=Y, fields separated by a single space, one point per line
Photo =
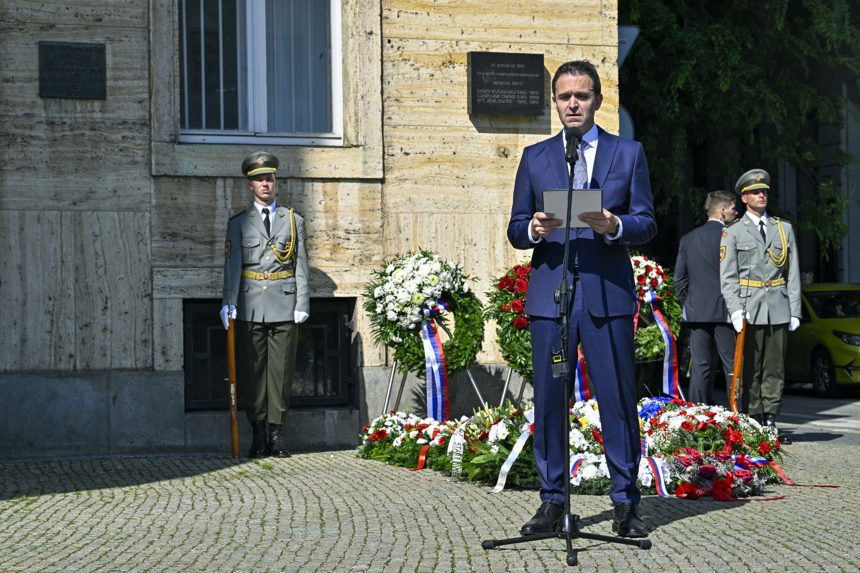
x=410 y=287
x=507 y=303
x=689 y=450
x=649 y=277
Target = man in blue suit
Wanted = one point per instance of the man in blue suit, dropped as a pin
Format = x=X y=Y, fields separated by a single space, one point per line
x=604 y=301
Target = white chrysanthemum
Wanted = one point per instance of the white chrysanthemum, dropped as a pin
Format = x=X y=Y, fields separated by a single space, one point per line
x=498 y=432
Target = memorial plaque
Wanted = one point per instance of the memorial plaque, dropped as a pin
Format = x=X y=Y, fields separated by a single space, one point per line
x=506 y=84
x=72 y=70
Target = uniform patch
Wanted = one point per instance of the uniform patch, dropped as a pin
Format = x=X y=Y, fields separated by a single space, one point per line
x=725 y=232
x=722 y=253
x=227 y=249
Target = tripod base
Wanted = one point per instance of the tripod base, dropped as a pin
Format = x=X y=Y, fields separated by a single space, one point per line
x=568 y=530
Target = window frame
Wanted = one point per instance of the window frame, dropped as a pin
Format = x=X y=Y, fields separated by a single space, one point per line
x=360 y=154
x=255 y=51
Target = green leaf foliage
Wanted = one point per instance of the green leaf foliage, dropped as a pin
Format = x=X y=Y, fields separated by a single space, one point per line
x=742 y=79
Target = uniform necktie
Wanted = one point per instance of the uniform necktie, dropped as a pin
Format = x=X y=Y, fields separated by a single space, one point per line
x=762 y=231
x=580 y=170
x=266 y=223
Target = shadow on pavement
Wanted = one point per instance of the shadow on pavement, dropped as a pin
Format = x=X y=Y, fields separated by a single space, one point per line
x=29 y=478
x=658 y=512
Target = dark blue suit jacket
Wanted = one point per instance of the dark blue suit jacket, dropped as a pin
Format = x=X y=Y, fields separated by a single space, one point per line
x=606 y=277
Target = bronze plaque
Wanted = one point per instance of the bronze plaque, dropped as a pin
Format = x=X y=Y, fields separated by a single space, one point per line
x=506 y=84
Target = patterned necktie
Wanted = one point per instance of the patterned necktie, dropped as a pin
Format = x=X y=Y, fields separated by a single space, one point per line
x=266 y=222
x=762 y=231
x=580 y=170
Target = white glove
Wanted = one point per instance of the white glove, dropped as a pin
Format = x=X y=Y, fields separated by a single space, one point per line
x=300 y=316
x=738 y=320
x=793 y=324
x=227 y=312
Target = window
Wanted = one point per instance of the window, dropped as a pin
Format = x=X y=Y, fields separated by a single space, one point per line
x=260 y=70
x=323 y=357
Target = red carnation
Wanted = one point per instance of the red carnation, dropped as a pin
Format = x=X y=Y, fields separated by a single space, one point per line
x=764 y=448
x=521 y=285
x=520 y=322
x=517 y=305
x=745 y=475
x=521 y=271
x=641 y=279
x=506 y=308
x=654 y=283
x=648 y=269
x=708 y=471
x=532 y=428
x=687 y=425
x=505 y=283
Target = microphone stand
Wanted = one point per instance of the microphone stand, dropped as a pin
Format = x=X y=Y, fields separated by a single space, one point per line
x=568 y=527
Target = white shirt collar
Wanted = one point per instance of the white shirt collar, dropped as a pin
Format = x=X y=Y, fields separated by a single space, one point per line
x=271 y=208
x=590 y=137
x=755 y=218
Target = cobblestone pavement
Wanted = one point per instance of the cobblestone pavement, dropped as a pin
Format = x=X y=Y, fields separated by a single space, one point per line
x=333 y=512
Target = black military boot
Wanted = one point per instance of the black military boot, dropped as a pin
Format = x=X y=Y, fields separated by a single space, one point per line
x=276 y=441
x=770 y=421
x=258 y=439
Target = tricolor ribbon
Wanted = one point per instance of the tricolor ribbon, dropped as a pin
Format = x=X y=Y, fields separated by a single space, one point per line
x=658 y=468
x=525 y=432
x=434 y=361
x=581 y=391
x=671 y=386
x=745 y=462
x=576 y=463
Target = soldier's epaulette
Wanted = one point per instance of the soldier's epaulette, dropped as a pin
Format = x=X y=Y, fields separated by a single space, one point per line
x=237 y=214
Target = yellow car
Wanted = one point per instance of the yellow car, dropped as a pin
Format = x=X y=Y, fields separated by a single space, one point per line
x=825 y=350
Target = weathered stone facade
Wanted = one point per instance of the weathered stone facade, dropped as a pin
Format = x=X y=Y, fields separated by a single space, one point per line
x=107 y=222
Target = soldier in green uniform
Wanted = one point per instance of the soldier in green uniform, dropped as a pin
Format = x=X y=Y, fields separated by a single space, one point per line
x=760 y=281
x=266 y=291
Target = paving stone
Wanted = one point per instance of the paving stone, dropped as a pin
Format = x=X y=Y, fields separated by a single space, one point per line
x=331 y=511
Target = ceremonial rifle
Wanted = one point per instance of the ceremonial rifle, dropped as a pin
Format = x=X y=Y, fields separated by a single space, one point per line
x=231 y=377
x=738 y=364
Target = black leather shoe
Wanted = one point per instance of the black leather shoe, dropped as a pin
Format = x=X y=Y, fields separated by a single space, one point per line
x=770 y=420
x=546 y=519
x=258 y=440
x=626 y=521
x=276 y=441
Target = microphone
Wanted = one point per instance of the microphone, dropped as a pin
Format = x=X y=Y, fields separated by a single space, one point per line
x=570 y=153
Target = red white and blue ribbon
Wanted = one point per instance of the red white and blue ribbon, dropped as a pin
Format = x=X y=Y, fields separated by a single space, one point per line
x=525 y=432
x=575 y=463
x=581 y=391
x=658 y=468
x=436 y=367
x=671 y=385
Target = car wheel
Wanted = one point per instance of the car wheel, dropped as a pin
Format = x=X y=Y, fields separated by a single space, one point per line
x=822 y=375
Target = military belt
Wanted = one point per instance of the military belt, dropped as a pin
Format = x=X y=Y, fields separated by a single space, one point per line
x=267 y=276
x=762 y=284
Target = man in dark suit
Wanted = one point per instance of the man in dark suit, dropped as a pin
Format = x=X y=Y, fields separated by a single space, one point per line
x=697 y=285
x=604 y=301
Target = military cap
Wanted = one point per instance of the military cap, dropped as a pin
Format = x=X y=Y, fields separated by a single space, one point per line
x=259 y=162
x=752 y=179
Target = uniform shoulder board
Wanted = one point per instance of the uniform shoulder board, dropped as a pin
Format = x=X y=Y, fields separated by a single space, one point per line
x=237 y=214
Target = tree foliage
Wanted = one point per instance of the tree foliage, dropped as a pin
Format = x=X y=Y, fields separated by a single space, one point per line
x=745 y=79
